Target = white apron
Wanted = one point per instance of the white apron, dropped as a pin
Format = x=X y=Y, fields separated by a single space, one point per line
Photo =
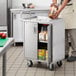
x=68 y=15
x=74 y=13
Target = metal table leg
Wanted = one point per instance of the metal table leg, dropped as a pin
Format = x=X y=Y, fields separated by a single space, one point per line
x=4 y=65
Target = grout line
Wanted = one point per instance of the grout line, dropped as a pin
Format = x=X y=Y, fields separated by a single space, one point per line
x=12 y=53
x=55 y=69
x=19 y=68
x=35 y=70
x=64 y=67
x=14 y=61
x=45 y=72
x=74 y=68
x=26 y=72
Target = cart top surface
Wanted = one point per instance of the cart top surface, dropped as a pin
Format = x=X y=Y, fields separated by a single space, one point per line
x=40 y=19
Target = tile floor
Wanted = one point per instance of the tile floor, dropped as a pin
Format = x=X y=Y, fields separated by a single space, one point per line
x=17 y=66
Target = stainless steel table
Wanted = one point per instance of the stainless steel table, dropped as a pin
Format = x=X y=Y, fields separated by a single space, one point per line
x=3 y=51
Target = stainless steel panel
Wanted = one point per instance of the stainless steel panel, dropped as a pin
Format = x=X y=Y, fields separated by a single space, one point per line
x=58 y=40
x=50 y=42
x=3 y=12
x=30 y=40
x=9 y=3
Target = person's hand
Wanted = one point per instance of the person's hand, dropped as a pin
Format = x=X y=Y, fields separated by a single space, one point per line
x=52 y=16
x=53 y=5
x=55 y=15
x=53 y=11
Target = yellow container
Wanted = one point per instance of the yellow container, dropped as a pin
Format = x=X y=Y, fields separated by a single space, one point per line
x=46 y=54
x=42 y=54
x=41 y=57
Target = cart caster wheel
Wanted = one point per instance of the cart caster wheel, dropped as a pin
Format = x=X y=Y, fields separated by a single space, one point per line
x=51 y=67
x=59 y=63
x=29 y=63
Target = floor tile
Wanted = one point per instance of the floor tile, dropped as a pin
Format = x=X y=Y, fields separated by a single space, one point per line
x=49 y=73
x=17 y=66
x=69 y=75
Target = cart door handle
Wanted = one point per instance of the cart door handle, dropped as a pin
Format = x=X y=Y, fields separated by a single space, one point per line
x=35 y=30
x=14 y=15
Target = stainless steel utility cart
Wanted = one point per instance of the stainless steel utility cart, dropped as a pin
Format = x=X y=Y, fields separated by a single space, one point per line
x=44 y=41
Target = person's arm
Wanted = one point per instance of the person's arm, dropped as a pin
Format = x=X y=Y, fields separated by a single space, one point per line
x=64 y=3
x=62 y=6
x=54 y=1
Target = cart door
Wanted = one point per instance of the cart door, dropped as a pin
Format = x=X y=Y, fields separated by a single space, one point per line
x=30 y=40
x=58 y=40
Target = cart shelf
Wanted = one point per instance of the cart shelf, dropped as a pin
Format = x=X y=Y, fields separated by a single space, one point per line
x=43 y=41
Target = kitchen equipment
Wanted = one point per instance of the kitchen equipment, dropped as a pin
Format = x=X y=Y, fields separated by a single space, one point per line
x=51 y=51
